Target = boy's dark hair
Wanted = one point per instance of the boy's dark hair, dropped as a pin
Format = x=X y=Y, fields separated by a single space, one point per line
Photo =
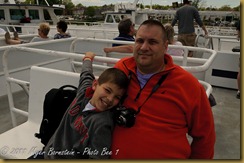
x=115 y=76
x=124 y=26
x=151 y=22
x=62 y=25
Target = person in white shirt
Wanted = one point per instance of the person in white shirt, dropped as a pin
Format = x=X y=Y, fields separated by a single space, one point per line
x=43 y=31
x=170 y=37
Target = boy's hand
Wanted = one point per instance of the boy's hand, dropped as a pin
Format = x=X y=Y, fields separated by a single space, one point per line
x=89 y=55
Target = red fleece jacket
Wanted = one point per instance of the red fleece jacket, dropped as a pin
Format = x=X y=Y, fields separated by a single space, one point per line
x=178 y=107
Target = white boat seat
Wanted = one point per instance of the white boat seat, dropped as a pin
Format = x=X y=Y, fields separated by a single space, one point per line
x=20 y=142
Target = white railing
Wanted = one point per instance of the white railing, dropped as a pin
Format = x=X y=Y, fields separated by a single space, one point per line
x=82 y=45
x=25 y=84
x=74 y=30
x=97 y=45
x=104 y=42
x=221 y=39
x=224 y=31
x=78 y=57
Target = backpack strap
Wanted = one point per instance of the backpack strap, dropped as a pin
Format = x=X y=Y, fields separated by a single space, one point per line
x=68 y=86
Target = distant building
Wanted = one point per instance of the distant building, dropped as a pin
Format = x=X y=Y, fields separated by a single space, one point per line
x=78 y=12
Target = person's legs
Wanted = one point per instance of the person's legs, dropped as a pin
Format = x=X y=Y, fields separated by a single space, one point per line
x=14 y=42
x=190 y=41
x=10 y=41
x=181 y=38
x=238 y=84
x=7 y=37
x=16 y=36
x=187 y=40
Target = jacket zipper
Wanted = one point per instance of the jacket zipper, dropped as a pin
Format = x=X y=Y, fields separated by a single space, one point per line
x=138 y=95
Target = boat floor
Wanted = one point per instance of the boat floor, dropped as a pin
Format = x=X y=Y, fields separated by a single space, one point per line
x=226 y=114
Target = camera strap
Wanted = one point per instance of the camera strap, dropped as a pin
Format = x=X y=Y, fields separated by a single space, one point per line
x=155 y=88
x=125 y=95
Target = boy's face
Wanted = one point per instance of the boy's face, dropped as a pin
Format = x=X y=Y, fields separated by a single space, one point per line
x=106 y=95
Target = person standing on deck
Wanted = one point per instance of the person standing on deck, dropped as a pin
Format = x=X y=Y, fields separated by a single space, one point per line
x=185 y=16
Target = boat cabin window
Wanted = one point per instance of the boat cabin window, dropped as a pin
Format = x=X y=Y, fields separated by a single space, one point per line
x=117 y=18
x=109 y=19
x=113 y=19
x=16 y=14
x=46 y=15
x=34 y=14
x=2 y=16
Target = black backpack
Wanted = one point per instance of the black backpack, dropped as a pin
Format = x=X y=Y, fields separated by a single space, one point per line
x=56 y=102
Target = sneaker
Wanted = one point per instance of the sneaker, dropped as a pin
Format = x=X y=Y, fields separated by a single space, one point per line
x=238 y=94
x=7 y=37
x=16 y=36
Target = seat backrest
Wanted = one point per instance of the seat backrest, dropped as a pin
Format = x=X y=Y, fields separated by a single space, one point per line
x=41 y=81
x=202 y=42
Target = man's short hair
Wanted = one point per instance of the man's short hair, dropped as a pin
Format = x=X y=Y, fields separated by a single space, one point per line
x=124 y=26
x=152 y=22
x=186 y=1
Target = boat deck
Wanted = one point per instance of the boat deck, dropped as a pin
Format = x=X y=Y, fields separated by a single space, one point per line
x=226 y=114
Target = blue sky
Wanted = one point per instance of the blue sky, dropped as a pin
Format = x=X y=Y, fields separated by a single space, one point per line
x=213 y=3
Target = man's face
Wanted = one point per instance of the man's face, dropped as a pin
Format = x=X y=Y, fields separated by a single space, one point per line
x=149 y=48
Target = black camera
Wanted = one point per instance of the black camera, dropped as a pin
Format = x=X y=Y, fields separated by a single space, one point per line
x=125 y=116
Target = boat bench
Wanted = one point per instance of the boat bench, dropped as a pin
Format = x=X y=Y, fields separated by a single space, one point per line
x=20 y=142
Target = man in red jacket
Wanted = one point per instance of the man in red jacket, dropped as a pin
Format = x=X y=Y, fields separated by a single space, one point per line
x=169 y=103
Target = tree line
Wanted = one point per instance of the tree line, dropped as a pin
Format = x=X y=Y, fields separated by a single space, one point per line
x=91 y=11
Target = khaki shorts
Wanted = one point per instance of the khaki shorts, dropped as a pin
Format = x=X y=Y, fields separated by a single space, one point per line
x=187 y=39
